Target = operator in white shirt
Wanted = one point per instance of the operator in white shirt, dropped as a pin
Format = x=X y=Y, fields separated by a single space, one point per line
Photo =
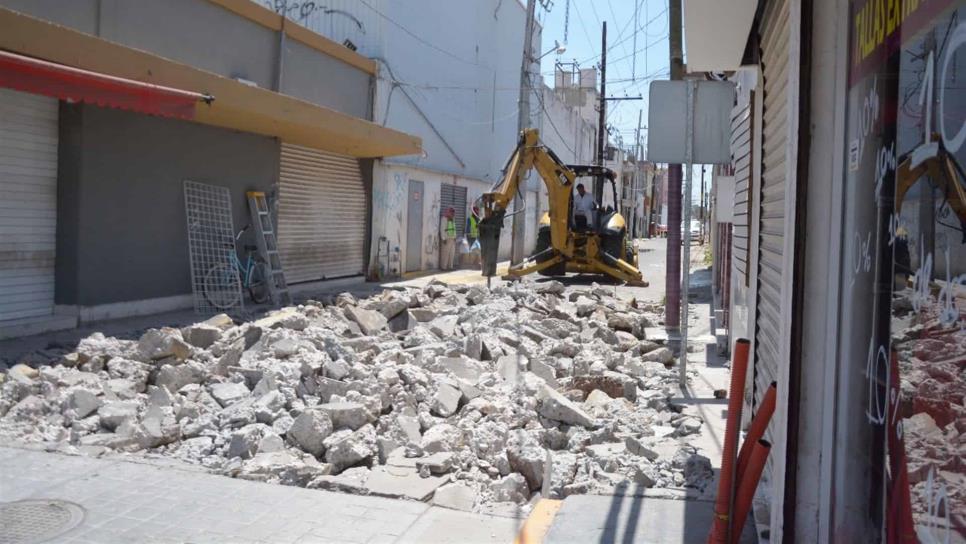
x=584 y=207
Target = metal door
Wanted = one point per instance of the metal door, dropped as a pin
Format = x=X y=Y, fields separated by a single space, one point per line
x=28 y=205
x=453 y=196
x=414 y=227
x=772 y=221
x=322 y=215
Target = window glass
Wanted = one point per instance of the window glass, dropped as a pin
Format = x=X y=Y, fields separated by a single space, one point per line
x=900 y=449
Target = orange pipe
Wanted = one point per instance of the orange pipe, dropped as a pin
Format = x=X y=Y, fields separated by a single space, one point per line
x=747 y=486
x=757 y=429
x=722 y=506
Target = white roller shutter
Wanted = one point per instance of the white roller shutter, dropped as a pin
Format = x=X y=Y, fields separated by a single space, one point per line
x=321 y=215
x=768 y=335
x=741 y=157
x=28 y=204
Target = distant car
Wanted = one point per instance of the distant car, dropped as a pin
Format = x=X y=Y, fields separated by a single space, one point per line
x=694 y=233
x=695 y=229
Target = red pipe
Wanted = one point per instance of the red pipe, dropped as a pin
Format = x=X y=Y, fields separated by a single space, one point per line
x=758 y=425
x=747 y=486
x=722 y=507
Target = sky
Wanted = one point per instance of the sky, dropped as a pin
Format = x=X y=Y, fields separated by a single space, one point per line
x=629 y=70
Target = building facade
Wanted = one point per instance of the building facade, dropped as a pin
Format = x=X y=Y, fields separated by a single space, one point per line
x=105 y=118
x=456 y=86
x=848 y=256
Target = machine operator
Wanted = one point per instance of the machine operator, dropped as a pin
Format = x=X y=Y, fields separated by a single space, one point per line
x=584 y=207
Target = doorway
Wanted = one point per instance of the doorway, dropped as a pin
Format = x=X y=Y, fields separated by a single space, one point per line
x=414 y=227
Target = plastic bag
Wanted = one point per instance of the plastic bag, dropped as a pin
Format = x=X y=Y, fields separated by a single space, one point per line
x=476 y=245
x=464 y=246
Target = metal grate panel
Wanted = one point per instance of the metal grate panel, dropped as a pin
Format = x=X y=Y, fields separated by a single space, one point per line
x=215 y=282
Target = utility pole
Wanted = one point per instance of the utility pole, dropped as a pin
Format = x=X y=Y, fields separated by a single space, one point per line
x=651 y=215
x=672 y=309
x=602 y=115
x=638 y=190
x=519 y=226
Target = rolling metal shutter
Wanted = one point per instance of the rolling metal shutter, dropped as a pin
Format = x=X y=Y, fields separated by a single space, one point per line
x=28 y=205
x=741 y=157
x=768 y=327
x=453 y=196
x=321 y=215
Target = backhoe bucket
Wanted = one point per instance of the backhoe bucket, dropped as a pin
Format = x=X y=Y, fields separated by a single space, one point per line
x=490 y=243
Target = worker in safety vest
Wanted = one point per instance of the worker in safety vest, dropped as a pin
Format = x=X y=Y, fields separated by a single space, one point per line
x=447 y=239
x=473 y=226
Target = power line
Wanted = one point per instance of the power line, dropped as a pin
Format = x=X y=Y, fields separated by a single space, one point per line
x=420 y=39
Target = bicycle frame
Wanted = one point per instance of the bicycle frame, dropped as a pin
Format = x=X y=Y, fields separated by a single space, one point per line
x=244 y=271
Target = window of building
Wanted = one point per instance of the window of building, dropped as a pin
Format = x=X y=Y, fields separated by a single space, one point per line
x=900 y=445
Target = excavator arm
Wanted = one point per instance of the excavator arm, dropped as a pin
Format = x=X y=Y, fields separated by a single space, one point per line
x=559 y=180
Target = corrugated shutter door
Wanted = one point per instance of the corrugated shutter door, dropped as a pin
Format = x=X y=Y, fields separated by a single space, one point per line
x=321 y=215
x=454 y=196
x=741 y=157
x=28 y=205
x=774 y=44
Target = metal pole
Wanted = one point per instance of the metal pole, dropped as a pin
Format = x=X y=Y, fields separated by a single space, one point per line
x=686 y=266
x=638 y=190
x=672 y=315
x=518 y=229
x=601 y=119
x=703 y=212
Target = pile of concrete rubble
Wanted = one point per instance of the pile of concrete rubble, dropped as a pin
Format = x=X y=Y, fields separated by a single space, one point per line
x=472 y=398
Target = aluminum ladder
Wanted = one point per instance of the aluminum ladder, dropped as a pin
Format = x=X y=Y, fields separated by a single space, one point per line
x=268 y=247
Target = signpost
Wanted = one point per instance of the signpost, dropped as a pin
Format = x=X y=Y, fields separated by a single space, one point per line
x=703 y=138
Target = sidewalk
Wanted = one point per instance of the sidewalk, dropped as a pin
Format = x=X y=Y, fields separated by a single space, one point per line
x=124 y=501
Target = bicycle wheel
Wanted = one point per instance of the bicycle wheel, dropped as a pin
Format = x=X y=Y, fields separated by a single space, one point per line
x=222 y=286
x=258 y=283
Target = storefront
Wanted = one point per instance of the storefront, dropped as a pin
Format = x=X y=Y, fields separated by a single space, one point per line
x=899 y=452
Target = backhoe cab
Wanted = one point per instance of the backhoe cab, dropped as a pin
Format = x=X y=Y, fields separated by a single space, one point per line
x=602 y=247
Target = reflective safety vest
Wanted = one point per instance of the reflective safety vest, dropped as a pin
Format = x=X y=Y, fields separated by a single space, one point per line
x=450 y=229
x=474 y=228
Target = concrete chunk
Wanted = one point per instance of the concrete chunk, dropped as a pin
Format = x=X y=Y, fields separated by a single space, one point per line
x=552 y=405
x=350 y=415
x=228 y=393
x=371 y=322
x=457 y=496
x=446 y=400
x=309 y=430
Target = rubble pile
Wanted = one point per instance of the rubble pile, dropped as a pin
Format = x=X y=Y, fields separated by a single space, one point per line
x=467 y=397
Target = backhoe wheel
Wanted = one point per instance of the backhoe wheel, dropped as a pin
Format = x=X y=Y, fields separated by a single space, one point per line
x=543 y=242
x=630 y=254
x=612 y=245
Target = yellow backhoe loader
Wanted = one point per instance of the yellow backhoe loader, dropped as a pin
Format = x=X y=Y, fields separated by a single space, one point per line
x=600 y=247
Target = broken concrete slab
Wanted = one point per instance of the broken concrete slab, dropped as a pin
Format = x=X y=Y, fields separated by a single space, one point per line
x=553 y=405
x=402 y=482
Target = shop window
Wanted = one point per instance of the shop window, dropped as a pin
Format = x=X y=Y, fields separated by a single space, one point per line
x=900 y=446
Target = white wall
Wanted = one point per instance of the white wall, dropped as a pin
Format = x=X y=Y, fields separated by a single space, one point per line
x=449 y=72
x=390 y=207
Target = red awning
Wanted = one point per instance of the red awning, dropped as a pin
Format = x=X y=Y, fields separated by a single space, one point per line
x=76 y=85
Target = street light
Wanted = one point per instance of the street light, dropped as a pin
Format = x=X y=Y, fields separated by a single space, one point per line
x=557 y=47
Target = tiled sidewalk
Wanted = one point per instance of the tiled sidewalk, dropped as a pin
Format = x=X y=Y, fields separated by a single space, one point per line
x=134 y=502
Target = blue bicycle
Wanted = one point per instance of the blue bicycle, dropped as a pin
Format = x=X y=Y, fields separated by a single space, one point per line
x=223 y=282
